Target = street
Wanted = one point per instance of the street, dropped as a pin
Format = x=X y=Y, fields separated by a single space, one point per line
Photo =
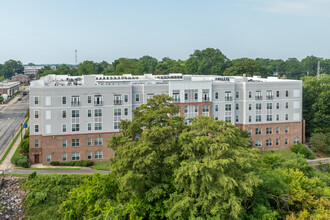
x=11 y=118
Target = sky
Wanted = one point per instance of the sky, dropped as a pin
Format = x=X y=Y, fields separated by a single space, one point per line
x=49 y=31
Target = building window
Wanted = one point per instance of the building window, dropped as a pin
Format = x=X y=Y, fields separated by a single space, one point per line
x=48 y=158
x=149 y=96
x=75 y=142
x=126 y=111
x=286 y=105
x=63 y=100
x=269 y=105
x=75 y=156
x=137 y=97
x=228 y=96
x=216 y=108
x=63 y=127
x=185 y=109
x=36 y=143
x=196 y=96
x=64 y=157
x=89 y=126
x=205 y=110
x=258 y=118
x=250 y=118
x=258 y=131
x=237 y=106
x=64 y=114
x=228 y=119
x=228 y=107
x=258 y=143
x=89 y=99
x=269 y=130
x=216 y=95
x=75 y=113
x=286 y=129
x=125 y=98
x=277 y=117
x=216 y=118
x=250 y=106
x=250 y=132
x=287 y=93
x=277 y=141
x=258 y=95
x=75 y=101
x=98 y=126
x=98 y=100
x=117 y=99
x=258 y=106
x=286 y=141
x=269 y=117
x=286 y=117
x=269 y=94
x=89 y=155
x=196 y=108
x=64 y=143
x=186 y=96
x=237 y=94
x=36 y=128
x=98 y=141
x=98 y=113
x=75 y=127
x=36 y=100
x=277 y=105
x=277 y=93
x=269 y=142
x=236 y=118
x=89 y=141
x=296 y=140
x=250 y=94
x=277 y=130
x=36 y=114
x=98 y=154
x=116 y=125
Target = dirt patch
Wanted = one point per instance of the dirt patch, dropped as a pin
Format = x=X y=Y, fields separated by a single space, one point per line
x=11 y=198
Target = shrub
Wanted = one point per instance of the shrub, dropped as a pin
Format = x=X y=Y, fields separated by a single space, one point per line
x=32 y=175
x=27 y=133
x=22 y=161
x=302 y=149
x=83 y=163
x=24 y=146
x=321 y=141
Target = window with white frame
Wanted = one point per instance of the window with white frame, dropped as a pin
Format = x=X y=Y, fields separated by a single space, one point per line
x=116 y=118
x=250 y=94
x=236 y=118
x=258 y=143
x=149 y=96
x=228 y=107
x=269 y=142
x=269 y=105
x=64 y=143
x=269 y=117
x=196 y=96
x=228 y=96
x=36 y=100
x=196 y=108
x=98 y=141
x=237 y=106
x=296 y=140
x=250 y=131
x=75 y=127
x=277 y=105
x=228 y=119
x=117 y=99
x=125 y=111
x=216 y=95
x=98 y=100
x=36 y=114
x=269 y=130
x=258 y=131
x=216 y=108
x=277 y=94
x=63 y=127
x=250 y=106
x=63 y=113
x=75 y=113
x=89 y=99
x=89 y=113
x=98 y=154
x=286 y=129
x=36 y=128
x=64 y=157
x=258 y=118
x=89 y=141
x=176 y=97
x=286 y=141
x=250 y=118
x=237 y=94
x=137 y=97
x=89 y=126
x=48 y=158
x=75 y=142
x=206 y=110
x=277 y=141
x=89 y=155
x=287 y=93
x=125 y=98
x=98 y=126
x=277 y=117
x=186 y=96
x=98 y=119
x=75 y=156
x=36 y=143
x=286 y=117
x=277 y=130
x=258 y=106
x=63 y=100
x=75 y=101
x=286 y=105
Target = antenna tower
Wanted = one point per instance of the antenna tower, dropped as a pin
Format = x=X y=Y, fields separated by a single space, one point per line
x=76 y=59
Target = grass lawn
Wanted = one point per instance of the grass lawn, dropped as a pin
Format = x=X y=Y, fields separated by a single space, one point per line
x=49 y=168
x=102 y=165
x=283 y=153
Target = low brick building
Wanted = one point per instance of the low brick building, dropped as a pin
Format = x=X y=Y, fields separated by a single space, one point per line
x=21 y=78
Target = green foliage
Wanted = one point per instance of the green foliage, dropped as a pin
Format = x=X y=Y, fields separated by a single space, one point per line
x=10 y=67
x=1 y=99
x=244 y=66
x=24 y=145
x=27 y=133
x=81 y=163
x=32 y=175
x=321 y=142
x=302 y=149
x=21 y=161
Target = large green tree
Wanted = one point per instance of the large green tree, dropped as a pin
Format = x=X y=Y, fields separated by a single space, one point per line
x=11 y=67
x=126 y=66
x=309 y=65
x=245 y=66
x=206 y=62
x=89 y=68
x=147 y=64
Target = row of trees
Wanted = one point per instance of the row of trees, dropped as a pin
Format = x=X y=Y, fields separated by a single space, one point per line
x=205 y=62
x=165 y=169
x=9 y=68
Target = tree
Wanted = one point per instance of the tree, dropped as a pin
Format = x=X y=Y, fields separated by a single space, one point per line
x=291 y=68
x=206 y=62
x=88 y=68
x=244 y=66
x=146 y=155
x=11 y=67
x=309 y=65
x=321 y=142
x=168 y=65
x=126 y=66
x=214 y=177
x=147 y=64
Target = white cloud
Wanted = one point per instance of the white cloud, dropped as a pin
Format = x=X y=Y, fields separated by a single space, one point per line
x=320 y=8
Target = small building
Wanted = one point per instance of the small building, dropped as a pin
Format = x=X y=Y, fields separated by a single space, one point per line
x=9 y=88
x=23 y=79
x=32 y=70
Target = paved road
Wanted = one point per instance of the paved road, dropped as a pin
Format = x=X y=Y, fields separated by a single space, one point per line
x=11 y=118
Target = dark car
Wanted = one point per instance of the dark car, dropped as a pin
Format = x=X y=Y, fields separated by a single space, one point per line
x=19 y=99
x=24 y=93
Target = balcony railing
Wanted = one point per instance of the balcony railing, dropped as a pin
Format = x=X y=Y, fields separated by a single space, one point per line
x=205 y=99
x=269 y=97
x=176 y=99
x=76 y=103
x=259 y=97
x=117 y=102
x=98 y=102
x=228 y=98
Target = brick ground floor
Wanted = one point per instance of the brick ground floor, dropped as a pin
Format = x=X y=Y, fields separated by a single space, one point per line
x=91 y=146
x=275 y=135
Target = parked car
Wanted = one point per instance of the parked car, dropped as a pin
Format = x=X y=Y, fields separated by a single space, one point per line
x=19 y=99
x=24 y=93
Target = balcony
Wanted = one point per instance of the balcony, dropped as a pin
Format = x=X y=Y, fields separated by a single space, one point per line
x=117 y=102
x=98 y=103
x=259 y=97
x=228 y=98
x=269 y=97
x=75 y=103
x=206 y=99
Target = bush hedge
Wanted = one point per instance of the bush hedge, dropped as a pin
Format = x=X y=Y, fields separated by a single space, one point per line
x=21 y=161
x=24 y=146
x=82 y=163
x=302 y=149
x=321 y=141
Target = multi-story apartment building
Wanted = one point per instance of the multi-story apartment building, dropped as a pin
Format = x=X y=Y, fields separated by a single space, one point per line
x=72 y=118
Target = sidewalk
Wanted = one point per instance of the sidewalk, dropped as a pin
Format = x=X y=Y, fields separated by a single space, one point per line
x=6 y=164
